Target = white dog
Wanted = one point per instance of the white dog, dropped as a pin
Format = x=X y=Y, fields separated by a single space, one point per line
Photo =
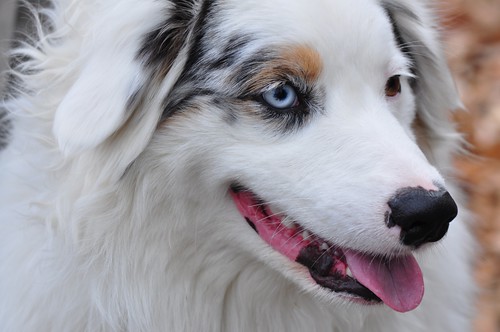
x=232 y=165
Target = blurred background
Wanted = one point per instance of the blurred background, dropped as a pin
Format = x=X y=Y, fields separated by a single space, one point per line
x=471 y=33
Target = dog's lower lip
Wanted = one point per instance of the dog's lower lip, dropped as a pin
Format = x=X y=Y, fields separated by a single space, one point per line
x=325 y=262
x=323 y=267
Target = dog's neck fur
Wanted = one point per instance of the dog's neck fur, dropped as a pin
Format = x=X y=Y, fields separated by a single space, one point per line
x=184 y=288
x=185 y=283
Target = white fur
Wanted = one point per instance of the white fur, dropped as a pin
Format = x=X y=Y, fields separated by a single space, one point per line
x=111 y=223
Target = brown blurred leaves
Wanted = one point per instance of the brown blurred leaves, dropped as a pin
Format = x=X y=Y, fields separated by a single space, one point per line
x=472 y=37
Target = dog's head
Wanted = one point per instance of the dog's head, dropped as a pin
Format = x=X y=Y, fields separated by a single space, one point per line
x=323 y=124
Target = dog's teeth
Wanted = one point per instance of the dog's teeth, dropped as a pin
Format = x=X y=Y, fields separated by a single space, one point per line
x=305 y=234
x=324 y=246
x=348 y=272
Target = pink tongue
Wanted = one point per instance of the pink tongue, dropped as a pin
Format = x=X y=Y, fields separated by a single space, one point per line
x=397 y=282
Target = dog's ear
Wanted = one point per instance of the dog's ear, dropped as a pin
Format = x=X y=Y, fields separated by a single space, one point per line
x=120 y=64
x=417 y=31
x=96 y=105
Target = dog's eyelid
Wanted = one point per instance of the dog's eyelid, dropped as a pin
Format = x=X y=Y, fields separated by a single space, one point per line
x=301 y=89
x=403 y=72
x=291 y=80
x=406 y=74
x=276 y=85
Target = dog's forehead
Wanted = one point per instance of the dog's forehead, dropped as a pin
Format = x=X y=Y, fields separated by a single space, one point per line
x=348 y=28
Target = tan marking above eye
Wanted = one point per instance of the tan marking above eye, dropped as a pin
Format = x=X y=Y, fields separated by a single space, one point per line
x=300 y=61
x=304 y=61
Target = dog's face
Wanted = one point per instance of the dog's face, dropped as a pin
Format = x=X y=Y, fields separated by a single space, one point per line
x=302 y=117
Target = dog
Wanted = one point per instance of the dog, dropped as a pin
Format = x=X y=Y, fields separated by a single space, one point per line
x=226 y=165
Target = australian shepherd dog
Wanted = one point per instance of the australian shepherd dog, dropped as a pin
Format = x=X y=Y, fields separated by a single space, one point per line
x=232 y=165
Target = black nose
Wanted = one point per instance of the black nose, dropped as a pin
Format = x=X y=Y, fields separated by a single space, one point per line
x=423 y=215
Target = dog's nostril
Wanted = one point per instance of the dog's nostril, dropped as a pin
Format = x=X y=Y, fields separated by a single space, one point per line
x=423 y=215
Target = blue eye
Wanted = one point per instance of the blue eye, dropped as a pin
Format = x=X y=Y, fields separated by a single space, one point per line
x=281 y=97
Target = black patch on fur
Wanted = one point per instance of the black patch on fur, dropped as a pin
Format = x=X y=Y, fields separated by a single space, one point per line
x=409 y=44
x=402 y=44
x=192 y=26
x=5 y=128
x=199 y=29
x=175 y=104
x=230 y=54
x=397 y=34
x=399 y=8
x=162 y=45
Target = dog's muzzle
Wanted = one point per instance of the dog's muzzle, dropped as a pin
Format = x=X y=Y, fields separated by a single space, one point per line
x=423 y=215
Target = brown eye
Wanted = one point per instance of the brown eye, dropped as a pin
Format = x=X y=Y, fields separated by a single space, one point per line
x=393 y=86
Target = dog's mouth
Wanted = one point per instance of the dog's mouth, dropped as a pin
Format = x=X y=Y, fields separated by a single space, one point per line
x=362 y=277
